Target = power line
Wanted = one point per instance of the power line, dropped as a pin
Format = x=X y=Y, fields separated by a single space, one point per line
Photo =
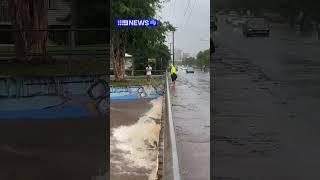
x=173 y=11
x=169 y=9
x=186 y=22
x=186 y=10
x=174 y=8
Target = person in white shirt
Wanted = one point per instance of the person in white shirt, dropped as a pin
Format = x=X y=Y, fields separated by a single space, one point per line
x=148 y=74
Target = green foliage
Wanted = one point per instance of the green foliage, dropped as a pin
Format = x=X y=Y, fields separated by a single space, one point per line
x=189 y=61
x=202 y=59
x=140 y=42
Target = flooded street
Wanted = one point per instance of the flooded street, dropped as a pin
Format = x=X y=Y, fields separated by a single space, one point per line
x=266 y=99
x=191 y=114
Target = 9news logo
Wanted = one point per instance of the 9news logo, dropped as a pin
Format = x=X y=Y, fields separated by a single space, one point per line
x=136 y=22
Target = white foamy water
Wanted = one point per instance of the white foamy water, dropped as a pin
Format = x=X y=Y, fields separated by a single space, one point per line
x=134 y=149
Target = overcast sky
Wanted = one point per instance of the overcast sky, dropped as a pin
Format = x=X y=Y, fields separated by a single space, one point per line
x=192 y=19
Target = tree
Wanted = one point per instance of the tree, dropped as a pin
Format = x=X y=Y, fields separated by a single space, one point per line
x=203 y=58
x=189 y=61
x=160 y=52
x=162 y=56
x=130 y=39
x=30 y=18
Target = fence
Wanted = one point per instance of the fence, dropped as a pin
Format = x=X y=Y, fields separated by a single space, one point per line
x=139 y=72
x=65 y=41
x=85 y=53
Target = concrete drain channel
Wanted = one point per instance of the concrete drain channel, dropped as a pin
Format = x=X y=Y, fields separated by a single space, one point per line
x=161 y=145
x=163 y=162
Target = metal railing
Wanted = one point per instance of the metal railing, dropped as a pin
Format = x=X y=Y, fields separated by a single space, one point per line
x=175 y=171
x=138 y=73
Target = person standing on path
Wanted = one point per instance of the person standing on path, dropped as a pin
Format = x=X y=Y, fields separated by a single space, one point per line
x=148 y=74
x=173 y=73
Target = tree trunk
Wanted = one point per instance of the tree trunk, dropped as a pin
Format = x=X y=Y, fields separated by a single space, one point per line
x=118 y=58
x=30 y=18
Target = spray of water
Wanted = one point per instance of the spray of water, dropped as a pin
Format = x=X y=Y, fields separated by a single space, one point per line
x=137 y=145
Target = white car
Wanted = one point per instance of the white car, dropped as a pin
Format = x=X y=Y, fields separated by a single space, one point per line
x=183 y=68
x=189 y=70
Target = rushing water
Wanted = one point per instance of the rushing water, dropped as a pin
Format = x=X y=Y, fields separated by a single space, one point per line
x=134 y=151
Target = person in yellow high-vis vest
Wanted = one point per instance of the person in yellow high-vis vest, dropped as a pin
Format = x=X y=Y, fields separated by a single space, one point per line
x=173 y=73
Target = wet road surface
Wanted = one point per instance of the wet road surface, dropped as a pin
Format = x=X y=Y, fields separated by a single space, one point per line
x=266 y=99
x=191 y=115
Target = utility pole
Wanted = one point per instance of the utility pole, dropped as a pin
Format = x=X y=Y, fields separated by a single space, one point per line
x=173 y=47
x=161 y=68
x=170 y=51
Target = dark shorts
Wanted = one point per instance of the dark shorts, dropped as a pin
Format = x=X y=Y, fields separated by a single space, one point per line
x=174 y=76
